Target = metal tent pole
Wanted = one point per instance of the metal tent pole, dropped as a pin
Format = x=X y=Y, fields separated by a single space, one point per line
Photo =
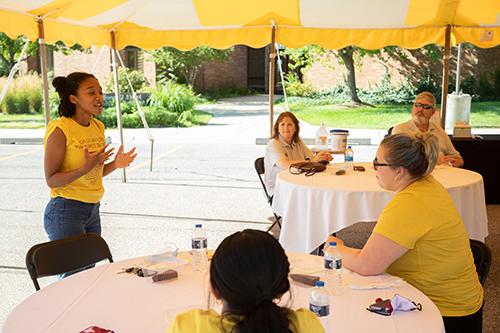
x=272 y=70
x=446 y=69
x=43 y=67
x=117 y=96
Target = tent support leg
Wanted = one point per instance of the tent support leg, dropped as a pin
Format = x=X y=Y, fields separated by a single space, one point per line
x=117 y=96
x=446 y=70
x=272 y=70
x=43 y=67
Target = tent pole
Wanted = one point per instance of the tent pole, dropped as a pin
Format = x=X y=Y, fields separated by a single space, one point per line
x=272 y=70
x=446 y=69
x=43 y=68
x=117 y=96
x=459 y=64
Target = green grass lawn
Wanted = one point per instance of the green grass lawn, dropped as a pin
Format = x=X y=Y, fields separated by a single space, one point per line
x=483 y=114
x=22 y=120
x=38 y=120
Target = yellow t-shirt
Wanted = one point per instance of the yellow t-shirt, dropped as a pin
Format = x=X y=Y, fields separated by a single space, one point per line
x=87 y=188
x=439 y=262
x=209 y=321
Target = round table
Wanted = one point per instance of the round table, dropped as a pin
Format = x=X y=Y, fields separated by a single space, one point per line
x=314 y=207
x=127 y=303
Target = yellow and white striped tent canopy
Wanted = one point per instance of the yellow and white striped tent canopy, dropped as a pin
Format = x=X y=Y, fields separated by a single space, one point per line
x=185 y=24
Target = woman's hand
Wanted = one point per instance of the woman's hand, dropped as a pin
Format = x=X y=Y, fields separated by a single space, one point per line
x=98 y=157
x=123 y=160
x=322 y=156
x=339 y=241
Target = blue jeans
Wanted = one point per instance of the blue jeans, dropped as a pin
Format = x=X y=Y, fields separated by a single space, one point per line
x=65 y=218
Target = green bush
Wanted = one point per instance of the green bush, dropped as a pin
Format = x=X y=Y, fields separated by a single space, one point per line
x=294 y=87
x=172 y=96
x=225 y=92
x=137 y=79
x=160 y=118
x=24 y=95
x=132 y=120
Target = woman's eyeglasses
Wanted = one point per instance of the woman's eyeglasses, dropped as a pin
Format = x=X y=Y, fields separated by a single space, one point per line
x=423 y=106
x=376 y=164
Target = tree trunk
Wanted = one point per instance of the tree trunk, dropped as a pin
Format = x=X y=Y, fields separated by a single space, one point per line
x=346 y=54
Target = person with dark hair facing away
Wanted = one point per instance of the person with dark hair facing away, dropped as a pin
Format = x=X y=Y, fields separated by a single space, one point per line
x=75 y=158
x=420 y=235
x=249 y=274
x=285 y=148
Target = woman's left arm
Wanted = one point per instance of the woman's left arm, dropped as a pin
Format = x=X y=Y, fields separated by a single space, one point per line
x=378 y=253
x=122 y=160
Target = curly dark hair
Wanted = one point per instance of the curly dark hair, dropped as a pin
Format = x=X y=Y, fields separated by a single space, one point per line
x=66 y=86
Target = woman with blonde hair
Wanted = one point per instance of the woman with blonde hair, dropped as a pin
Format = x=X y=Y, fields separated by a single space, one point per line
x=420 y=235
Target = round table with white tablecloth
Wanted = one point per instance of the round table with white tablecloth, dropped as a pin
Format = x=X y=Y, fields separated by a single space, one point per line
x=127 y=303
x=314 y=207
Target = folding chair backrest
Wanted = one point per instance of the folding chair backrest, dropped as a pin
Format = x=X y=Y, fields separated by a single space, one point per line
x=259 y=168
x=65 y=255
x=482 y=259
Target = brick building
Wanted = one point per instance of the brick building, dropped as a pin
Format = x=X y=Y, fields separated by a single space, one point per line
x=248 y=67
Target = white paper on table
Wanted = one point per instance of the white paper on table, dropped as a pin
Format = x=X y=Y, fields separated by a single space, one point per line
x=305 y=266
x=385 y=281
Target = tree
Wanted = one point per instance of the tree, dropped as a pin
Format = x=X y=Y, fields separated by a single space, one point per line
x=185 y=65
x=10 y=50
x=303 y=58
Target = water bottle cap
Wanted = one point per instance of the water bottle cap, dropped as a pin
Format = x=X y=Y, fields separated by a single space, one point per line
x=333 y=243
x=349 y=147
x=197 y=225
x=320 y=283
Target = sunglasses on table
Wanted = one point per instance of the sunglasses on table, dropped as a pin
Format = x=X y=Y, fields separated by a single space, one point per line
x=376 y=164
x=423 y=106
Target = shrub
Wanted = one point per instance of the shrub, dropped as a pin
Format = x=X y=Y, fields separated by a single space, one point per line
x=137 y=79
x=172 y=96
x=294 y=87
x=24 y=95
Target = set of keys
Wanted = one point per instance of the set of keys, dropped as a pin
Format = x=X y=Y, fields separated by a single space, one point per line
x=137 y=271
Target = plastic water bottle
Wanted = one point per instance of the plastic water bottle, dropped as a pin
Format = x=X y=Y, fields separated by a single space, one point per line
x=333 y=265
x=321 y=140
x=349 y=158
x=199 y=248
x=319 y=302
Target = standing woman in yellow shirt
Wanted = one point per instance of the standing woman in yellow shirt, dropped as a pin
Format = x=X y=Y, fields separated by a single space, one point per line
x=420 y=235
x=249 y=275
x=75 y=158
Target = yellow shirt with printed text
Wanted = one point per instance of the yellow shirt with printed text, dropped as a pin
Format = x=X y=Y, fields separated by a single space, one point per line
x=87 y=188
x=439 y=261
x=209 y=321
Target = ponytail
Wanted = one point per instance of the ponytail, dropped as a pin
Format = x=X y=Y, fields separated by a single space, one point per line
x=266 y=317
x=417 y=154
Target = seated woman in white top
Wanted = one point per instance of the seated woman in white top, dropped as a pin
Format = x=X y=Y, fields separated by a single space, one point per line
x=422 y=111
x=286 y=148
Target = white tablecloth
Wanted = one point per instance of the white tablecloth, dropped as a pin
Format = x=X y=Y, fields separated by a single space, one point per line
x=127 y=303
x=314 y=207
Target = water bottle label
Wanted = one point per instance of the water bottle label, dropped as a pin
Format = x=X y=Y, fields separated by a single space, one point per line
x=199 y=244
x=337 y=264
x=349 y=158
x=320 y=310
x=328 y=263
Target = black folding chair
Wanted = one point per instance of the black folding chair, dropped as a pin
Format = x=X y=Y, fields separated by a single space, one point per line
x=66 y=255
x=259 y=168
x=482 y=259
